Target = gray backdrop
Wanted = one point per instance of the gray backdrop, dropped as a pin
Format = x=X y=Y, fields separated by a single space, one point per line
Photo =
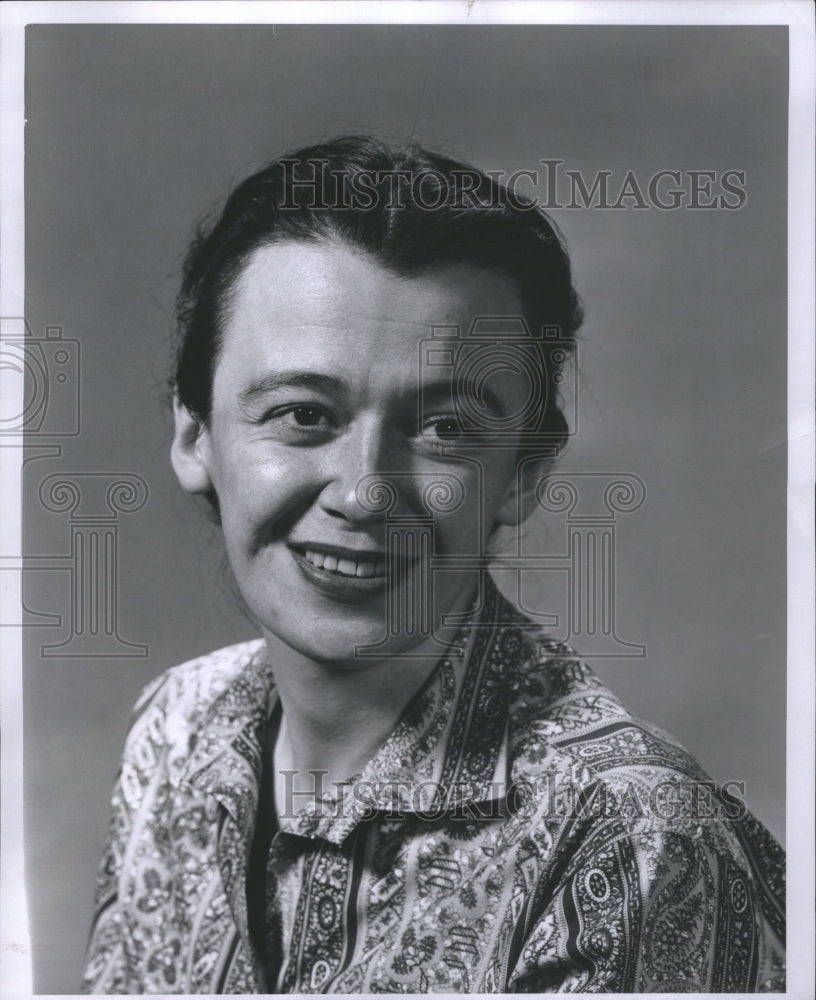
x=133 y=131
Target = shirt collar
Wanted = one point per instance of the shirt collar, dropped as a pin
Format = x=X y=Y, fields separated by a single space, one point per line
x=227 y=757
x=448 y=751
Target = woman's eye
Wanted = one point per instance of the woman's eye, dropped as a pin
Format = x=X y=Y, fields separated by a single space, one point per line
x=307 y=416
x=443 y=429
x=301 y=418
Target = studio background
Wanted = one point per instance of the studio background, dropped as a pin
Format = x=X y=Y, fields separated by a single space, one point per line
x=132 y=131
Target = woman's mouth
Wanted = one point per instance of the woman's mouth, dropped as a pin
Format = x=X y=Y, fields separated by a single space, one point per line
x=343 y=574
x=344 y=565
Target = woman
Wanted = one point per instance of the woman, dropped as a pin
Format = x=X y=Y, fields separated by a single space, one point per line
x=402 y=786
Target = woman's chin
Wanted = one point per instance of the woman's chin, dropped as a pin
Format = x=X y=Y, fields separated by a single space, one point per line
x=347 y=649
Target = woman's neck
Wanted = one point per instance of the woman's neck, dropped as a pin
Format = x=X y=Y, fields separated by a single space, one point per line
x=336 y=716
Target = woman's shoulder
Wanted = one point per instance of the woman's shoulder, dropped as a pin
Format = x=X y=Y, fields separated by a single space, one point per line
x=556 y=693
x=176 y=704
x=581 y=754
x=196 y=683
x=568 y=727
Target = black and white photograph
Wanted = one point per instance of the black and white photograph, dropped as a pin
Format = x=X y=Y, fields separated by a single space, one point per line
x=406 y=417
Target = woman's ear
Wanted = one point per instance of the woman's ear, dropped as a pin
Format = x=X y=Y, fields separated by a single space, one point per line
x=189 y=453
x=520 y=498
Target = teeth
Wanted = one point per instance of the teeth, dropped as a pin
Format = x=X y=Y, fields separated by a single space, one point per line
x=347 y=567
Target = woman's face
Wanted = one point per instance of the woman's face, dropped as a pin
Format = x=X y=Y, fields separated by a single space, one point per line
x=320 y=383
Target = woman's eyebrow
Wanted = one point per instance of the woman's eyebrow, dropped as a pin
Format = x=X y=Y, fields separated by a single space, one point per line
x=454 y=388
x=432 y=392
x=272 y=381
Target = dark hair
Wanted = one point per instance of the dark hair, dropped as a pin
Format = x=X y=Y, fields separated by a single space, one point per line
x=410 y=209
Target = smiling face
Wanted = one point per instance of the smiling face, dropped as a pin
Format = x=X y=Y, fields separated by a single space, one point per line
x=316 y=387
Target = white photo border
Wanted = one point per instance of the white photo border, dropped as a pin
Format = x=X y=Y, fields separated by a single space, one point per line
x=798 y=15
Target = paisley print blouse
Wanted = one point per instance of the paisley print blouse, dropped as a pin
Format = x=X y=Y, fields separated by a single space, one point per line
x=519 y=831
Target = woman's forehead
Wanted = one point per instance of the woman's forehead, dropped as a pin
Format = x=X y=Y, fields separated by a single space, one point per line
x=303 y=285
x=304 y=310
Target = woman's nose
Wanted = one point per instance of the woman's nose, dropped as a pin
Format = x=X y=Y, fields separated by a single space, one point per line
x=358 y=470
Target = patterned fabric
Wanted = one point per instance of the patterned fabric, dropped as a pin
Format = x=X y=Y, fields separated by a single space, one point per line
x=519 y=831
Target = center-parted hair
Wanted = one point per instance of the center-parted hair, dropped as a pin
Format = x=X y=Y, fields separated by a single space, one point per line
x=409 y=209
